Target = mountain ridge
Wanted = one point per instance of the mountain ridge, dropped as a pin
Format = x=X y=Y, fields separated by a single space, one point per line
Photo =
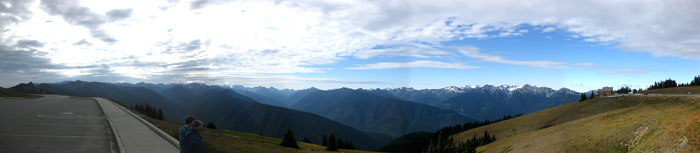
x=374 y=113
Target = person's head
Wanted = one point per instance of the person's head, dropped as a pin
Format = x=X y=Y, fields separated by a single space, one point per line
x=189 y=120
x=197 y=125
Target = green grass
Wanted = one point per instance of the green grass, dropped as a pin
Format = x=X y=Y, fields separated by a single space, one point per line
x=227 y=141
x=676 y=90
x=11 y=93
x=656 y=124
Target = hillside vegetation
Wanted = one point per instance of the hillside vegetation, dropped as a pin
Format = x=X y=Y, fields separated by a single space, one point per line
x=227 y=141
x=620 y=124
x=11 y=93
x=493 y=102
x=676 y=90
x=372 y=112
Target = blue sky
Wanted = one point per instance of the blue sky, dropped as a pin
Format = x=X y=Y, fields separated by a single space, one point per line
x=534 y=45
x=582 y=45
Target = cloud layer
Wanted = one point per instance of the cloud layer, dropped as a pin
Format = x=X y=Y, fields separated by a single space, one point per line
x=414 y=64
x=207 y=40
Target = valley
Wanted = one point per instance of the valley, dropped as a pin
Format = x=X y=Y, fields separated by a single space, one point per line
x=372 y=118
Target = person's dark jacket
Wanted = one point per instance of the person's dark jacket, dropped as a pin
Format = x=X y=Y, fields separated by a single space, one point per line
x=192 y=142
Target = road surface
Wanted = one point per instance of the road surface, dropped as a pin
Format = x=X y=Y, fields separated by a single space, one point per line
x=676 y=95
x=54 y=123
x=135 y=136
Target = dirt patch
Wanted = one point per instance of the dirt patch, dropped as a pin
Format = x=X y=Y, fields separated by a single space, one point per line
x=682 y=144
x=638 y=135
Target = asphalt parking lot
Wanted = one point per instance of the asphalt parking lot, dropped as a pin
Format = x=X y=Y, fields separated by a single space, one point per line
x=54 y=123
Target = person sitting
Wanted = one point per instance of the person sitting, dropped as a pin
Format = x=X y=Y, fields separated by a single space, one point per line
x=183 y=130
x=193 y=141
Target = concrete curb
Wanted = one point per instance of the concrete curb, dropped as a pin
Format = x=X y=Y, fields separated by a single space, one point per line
x=161 y=133
x=120 y=144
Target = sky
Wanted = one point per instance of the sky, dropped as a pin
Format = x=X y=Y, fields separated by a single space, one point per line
x=297 y=44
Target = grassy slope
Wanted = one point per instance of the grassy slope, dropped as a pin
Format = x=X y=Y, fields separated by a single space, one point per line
x=601 y=125
x=11 y=93
x=676 y=90
x=225 y=141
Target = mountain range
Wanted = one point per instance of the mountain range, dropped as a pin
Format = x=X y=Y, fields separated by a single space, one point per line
x=367 y=111
x=489 y=102
x=230 y=110
x=368 y=118
x=223 y=107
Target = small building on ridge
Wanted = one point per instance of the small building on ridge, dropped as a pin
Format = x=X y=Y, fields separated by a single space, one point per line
x=605 y=91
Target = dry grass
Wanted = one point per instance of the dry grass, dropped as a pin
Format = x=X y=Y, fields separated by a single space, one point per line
x=676 y=90
x=635 y=124
x=11 y=93
x=227 y=141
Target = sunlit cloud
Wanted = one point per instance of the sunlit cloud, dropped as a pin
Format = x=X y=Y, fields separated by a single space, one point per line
x=171 y=40
x=474 y=52
x=414 y=64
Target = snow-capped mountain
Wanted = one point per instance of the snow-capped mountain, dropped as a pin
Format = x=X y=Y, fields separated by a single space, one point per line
x=479 y=102
x=489 y=102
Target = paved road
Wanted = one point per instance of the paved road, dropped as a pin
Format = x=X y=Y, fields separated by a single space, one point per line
x=134 y=135
x=681 y=95
x=678 y=95
x=54 y=124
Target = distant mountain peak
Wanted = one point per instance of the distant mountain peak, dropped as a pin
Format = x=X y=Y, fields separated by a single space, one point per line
x=454 y=89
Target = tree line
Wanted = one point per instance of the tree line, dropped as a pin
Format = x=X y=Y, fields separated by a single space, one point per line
x=584 y=97
x=445 y=143
x=329 y=142
x=149 y=111
x=669 y=83
x=441 y=140
x=333 y=145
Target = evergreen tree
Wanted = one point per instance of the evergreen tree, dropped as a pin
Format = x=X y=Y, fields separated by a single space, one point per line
x=289 y=140
x=307 y=140
x=592 y=95
x=160 y=114
x=211 y=125
x=143 y=109
x=341 y=144
x=623 y=90
x=583 y=97
x=137 y=108
x=332 y=146
x=486 y=138
x=147 y=110
x=695 y=81
x=668 y=83
x=345 y=144
x=154 y=112
x=325 y=141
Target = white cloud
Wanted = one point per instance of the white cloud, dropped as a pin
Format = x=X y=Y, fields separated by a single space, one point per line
x=68 y=72
x=408 y=50
x=548 y=29
x=620 y=71
x=414 y=64
x=279 y=37
x=473 y=52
